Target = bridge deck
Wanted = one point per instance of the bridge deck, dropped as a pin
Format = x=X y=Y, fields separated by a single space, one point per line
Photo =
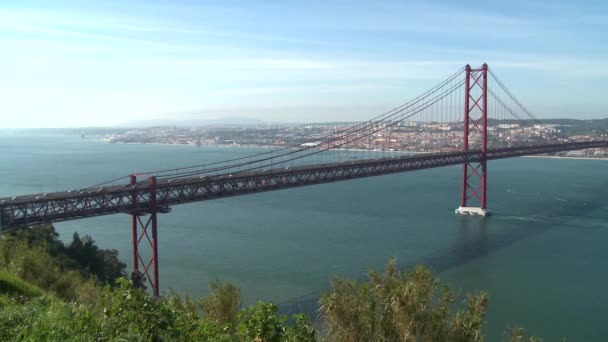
x=62 y=206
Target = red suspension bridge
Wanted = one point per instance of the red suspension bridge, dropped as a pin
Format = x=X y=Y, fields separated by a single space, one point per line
x=468 y=119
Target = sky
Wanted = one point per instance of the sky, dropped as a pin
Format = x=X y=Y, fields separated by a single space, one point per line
x=74 y=64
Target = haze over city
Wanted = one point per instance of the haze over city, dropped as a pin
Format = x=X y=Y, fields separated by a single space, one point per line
x=82 y=64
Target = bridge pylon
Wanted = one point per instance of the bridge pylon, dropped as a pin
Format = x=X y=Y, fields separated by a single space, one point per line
x=142 y=232
x=475 y=126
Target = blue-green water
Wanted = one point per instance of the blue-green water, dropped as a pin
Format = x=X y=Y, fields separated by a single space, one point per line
x=541 y=256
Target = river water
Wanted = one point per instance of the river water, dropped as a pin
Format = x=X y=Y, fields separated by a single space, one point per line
x=541 y=256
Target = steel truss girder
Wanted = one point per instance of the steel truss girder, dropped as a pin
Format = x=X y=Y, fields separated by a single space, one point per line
x=137 y=198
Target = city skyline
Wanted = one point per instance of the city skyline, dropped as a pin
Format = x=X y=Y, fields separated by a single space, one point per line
x=77 y=64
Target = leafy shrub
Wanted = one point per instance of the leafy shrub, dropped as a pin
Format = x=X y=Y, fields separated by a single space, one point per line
x=81 y=255
x=51 y=292
x=223 y=303
x=397 y=306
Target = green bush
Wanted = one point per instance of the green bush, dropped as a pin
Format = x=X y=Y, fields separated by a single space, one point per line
x=35 y=266
x=397 y=306
x=223 y=303
x=53 y=292
x=128 y=313
x=81 y=255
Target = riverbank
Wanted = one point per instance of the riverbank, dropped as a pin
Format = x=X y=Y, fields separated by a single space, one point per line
x=256 y=146
x=560 y=157
x=341 y=149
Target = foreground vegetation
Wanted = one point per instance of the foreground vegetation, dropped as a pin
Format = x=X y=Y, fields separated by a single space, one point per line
x=50 y=291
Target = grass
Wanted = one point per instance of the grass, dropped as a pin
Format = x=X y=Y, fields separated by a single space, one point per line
x=14 y=286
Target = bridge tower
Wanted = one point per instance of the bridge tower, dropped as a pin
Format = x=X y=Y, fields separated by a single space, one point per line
x=475 y=139
x=145 y=234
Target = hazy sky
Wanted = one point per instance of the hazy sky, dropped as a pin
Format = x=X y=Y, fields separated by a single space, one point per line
x=81 y=64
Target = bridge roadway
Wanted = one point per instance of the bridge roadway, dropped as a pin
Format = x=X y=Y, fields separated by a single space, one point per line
x=62 y=206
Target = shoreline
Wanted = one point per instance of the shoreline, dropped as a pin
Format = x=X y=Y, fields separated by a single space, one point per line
x=251 y=146
x=558 y=157
x=350 y=150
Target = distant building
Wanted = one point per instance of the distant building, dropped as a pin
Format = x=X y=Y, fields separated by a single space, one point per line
x=506 y=126
x=575 y=154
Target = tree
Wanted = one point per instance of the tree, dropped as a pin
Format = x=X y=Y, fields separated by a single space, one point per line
x=102 y=263
x=81 y=254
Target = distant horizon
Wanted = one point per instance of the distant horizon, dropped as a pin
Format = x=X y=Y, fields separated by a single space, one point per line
x=219 y=122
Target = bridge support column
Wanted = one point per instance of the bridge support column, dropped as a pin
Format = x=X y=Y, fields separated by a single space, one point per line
x=475 y=139
x=145 y=232
x=134 y=253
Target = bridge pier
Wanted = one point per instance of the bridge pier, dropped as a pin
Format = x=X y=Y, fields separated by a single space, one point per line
x=475 y=123
x=473 y=211
x=145 y=232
